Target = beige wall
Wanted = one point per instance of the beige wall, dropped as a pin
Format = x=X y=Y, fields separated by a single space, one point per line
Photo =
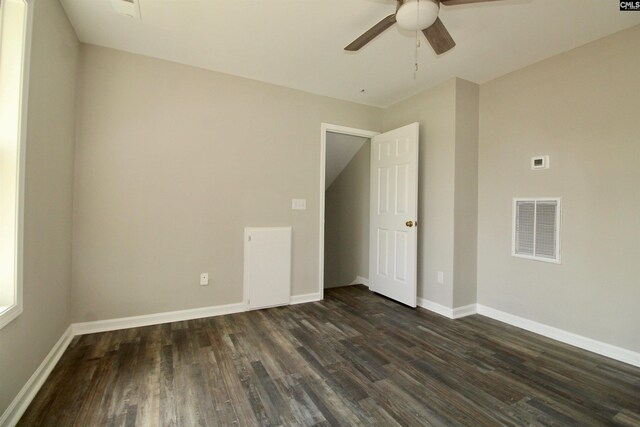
x=466 y=194
x=26 y=341
x=172 y=162
x=435 y=111
x=448 y=117
x=346 y=245
x=581 y=108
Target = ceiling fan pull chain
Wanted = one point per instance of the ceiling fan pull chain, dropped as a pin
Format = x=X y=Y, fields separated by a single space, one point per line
x=418 y=27
x=415 y=71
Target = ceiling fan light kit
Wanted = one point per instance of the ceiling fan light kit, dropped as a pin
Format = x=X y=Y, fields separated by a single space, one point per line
x=414 y=15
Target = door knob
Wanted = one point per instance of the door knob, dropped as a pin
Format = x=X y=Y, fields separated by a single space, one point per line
x=409 y=223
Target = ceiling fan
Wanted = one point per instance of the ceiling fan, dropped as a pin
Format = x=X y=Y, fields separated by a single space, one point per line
x=416 y=15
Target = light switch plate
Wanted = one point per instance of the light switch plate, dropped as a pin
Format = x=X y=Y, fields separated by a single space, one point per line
x=441 y=277
x=299 y=204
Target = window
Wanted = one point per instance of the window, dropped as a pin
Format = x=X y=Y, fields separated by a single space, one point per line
x=13 y=55
x=536 y=229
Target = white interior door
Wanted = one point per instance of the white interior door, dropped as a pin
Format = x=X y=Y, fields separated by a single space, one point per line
x=394 y=209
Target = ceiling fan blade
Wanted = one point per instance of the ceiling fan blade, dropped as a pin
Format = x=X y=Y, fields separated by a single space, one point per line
x=372 y=33
x=457 y=2
x=438 y=37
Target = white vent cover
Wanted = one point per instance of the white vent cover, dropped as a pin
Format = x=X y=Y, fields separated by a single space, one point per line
x=536 y=229
x=129 y=8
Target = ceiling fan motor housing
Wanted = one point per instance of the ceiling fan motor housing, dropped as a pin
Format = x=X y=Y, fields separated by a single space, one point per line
x=416 y=15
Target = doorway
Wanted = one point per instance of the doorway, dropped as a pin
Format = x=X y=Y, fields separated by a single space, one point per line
x=343 y=150
x=392 y=240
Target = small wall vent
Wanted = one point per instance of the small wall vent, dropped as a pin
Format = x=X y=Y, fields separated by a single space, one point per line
x=130 y=8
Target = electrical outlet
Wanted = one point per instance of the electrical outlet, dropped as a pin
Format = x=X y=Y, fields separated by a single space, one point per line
x=441 y=277
x=204 y=279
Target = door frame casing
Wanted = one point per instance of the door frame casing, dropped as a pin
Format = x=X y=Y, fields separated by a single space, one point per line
x=324 y=128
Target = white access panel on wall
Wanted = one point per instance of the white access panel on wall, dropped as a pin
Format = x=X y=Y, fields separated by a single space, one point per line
x=267 y=266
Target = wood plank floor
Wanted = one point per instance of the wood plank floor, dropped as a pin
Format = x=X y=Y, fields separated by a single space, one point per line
x=353 y=359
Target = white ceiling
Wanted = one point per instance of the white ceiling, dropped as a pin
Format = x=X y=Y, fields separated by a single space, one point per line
x=341 y=149
x=299 y=43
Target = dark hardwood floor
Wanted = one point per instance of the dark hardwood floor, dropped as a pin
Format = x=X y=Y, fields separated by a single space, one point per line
x=353 y=359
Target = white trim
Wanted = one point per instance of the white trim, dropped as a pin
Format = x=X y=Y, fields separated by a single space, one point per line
x=599 y=347
x=173 y=316
x=585 y=343
x=338 y=285
x=435 y=307
x=464 y=311
x=245 y=269
x=299 y=299
x=21 y=402
x=451 y=313
x=24 y=119
x=324 y=128
x=16 y=309
x=8 y=313
x=156 y=318
x=359 y=280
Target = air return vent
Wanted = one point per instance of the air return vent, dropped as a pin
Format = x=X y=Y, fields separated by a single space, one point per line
x=130 y=8
x=536 y=229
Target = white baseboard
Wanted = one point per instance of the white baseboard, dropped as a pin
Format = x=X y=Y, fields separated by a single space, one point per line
x=464 y=311
x=435 y=307
x=359 y=280
x=173 y=316
x=599 y=347
x=155 y=319
x=18 y=406
x=589 y=344
x=338 y=285
x=451 y=313
x=21 y=402
x=299 y=299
